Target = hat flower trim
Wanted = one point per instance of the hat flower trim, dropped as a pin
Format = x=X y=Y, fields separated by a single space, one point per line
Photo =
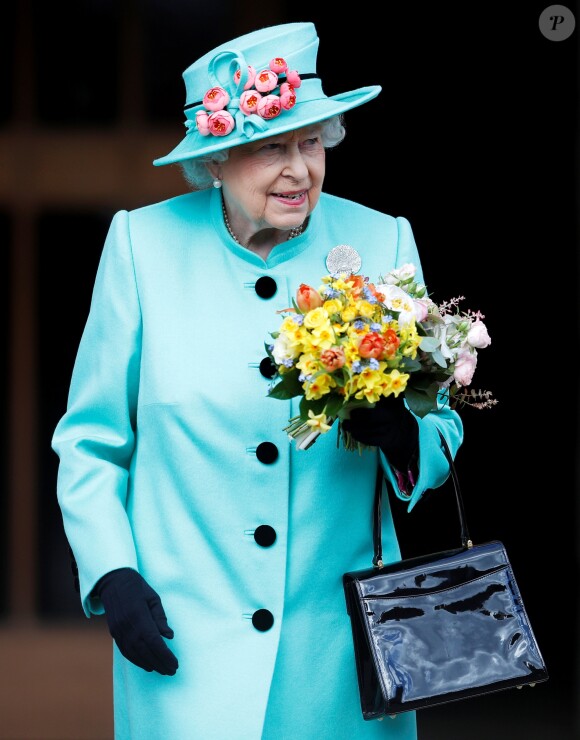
x=259 y=97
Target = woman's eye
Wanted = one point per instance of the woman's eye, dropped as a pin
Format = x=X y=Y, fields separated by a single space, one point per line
x=310 y=142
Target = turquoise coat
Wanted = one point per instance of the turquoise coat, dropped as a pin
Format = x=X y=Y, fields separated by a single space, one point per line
x=161 y=470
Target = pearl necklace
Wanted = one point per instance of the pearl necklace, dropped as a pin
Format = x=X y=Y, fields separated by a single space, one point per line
x=296 y=231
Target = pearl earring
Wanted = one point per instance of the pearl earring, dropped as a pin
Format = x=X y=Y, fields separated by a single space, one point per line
x=217 y=183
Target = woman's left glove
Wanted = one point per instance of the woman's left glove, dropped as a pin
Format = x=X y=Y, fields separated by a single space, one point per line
x=137 y=620
x=388 y=425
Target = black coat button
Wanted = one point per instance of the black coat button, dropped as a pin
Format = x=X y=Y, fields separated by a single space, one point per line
x=268 y=368
x=265 y=286
x=265 y=535
x=267 y=452
x=262 y=620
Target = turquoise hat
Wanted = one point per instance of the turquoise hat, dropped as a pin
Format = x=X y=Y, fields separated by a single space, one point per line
x=261 y=84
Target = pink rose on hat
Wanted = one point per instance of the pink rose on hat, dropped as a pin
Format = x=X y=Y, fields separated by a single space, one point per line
x=269 y=106
x=288 y=99
x=266 y=80
x=249 y=100
x=287 y=96
x=216 y=98
x=201 y=121
x=278 y=65
x=293 y=78
x=220 y=123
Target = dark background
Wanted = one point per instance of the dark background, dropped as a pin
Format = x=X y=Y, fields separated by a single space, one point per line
x=474 y=140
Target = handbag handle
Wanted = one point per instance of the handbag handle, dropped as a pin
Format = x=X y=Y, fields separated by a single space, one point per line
x=377 y=536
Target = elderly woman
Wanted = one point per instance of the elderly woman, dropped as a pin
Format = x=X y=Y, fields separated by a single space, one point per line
x=212 y=544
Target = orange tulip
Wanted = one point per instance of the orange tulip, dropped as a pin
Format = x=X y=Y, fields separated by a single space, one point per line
x=307 y=298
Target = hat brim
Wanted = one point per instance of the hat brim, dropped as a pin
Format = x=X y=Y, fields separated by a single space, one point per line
x=303 y=114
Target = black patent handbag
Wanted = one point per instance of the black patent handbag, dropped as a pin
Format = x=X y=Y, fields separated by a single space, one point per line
x=440 y=627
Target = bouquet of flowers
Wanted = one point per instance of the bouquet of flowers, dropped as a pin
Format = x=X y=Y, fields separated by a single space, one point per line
x=350 y=342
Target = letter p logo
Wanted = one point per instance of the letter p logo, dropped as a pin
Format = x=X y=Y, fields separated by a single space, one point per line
x=557 y=22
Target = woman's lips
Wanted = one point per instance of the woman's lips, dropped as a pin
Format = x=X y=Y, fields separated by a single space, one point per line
x=291 y=199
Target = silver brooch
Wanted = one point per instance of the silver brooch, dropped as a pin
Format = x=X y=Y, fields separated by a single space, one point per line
x=343 y=258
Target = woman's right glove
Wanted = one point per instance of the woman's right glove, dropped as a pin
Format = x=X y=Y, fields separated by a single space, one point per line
x=388 y=425
x=137 y=620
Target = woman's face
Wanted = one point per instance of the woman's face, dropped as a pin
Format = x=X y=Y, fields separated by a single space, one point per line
x=275 y=182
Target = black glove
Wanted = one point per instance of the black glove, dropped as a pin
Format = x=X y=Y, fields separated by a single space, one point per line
x=388 y=425
x=137 y=620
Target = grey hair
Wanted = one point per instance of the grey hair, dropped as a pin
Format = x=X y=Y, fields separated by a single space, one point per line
x=198 y=176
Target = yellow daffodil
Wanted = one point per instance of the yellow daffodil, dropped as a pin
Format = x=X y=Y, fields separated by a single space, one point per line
x=318 y=421
x=396 y=382
x=351 y=352
x=371 y=395
x=308 y=364
x=340 y=328
x=318 y=387
x=295 y=334
x=323 y=336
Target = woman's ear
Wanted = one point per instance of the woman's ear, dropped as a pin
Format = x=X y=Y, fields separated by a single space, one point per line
x=214 y=170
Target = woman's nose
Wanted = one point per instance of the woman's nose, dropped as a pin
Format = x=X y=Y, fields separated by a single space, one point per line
x=295 y=165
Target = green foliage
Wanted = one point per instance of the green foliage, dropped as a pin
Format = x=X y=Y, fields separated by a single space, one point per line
x=288 y=386
x=422 y=400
